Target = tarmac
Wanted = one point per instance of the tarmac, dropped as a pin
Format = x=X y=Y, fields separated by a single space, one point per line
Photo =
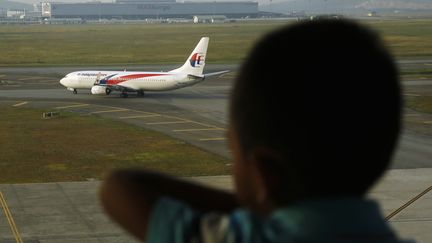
x=70 y=212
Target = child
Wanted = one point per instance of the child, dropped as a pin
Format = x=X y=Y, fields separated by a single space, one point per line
x=314 y=120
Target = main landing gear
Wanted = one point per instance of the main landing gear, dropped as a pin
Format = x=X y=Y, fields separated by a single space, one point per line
x=74 y=91
x=124 y=94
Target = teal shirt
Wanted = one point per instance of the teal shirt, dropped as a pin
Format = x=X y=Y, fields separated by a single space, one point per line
x=336 y=221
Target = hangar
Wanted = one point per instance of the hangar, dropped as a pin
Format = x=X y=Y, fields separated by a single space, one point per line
x=132 y=9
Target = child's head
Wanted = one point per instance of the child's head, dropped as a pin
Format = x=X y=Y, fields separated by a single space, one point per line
x=315 y=112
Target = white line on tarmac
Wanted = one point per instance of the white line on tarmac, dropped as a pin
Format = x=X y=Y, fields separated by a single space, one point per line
x=141 y=116
x=199 y=129
x=413 y=114
x=71 y=106
x=20 y=104
x=212 y=139
x=414 y=95
x=29 y=78
x=168 y=122
x=109 y=111
x=198 y=123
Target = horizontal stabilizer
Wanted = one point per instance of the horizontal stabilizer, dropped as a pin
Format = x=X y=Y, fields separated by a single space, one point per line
x=215 y=73
x=196 y=76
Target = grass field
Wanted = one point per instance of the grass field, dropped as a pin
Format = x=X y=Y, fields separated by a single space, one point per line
x=32 y=45
x=421 y=103
x=124 y=44
x=407 y=38
x=416 y=74
x=77 y=148
x=419 y=123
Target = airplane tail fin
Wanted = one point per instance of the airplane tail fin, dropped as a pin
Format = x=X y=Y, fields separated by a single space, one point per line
x=194 y=65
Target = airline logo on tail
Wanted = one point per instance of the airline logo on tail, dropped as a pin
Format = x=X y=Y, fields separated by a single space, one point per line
x=196 y=60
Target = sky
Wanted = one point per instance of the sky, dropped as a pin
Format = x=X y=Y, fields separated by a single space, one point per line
x=410 y=4
x=109 y=1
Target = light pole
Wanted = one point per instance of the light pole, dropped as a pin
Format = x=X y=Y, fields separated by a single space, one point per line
x=271 y=8
x=325 y=7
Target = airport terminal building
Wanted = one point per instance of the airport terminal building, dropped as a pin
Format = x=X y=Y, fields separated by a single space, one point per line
x=153 y=9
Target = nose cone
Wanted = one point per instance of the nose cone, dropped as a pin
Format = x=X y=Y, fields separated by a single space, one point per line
x=64 y=82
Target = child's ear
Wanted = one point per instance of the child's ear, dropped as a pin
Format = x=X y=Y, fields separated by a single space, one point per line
x=267 y=164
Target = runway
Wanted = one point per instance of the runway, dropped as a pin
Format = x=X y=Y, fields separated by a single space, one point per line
x=69 y=212
x=204 y=106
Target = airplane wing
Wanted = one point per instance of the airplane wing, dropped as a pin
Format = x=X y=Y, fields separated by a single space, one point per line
x=104 y=82
x=120 y=88
x=116 y=87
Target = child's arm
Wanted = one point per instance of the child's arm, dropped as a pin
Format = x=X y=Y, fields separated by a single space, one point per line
x=128 y=197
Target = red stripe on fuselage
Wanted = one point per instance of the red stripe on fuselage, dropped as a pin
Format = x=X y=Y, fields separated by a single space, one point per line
x=117 y=80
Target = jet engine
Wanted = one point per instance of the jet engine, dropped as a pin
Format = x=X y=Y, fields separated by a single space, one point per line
x=97 y=90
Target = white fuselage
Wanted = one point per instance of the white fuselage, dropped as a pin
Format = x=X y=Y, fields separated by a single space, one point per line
x=144 y=81
x=103 y=82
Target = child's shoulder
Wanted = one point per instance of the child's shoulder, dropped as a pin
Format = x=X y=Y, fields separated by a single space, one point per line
x=335 y=221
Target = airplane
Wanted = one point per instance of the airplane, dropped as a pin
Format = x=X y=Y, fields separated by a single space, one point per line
x=104 y=82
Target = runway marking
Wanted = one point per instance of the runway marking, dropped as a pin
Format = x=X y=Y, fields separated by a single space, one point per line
x=413 y=95
x=141 y=116
x=198 y=123
x=141 y=112
x=168 y=122
x=408 y=203
x=30 y=78
x=20 y=104
x=117 y=109
x=113 y=107
x=427 y=122
x=212 y=139
x=208 y=127
x=199 y=129
x=10 y=219
x=71 y=106
x=109 y=111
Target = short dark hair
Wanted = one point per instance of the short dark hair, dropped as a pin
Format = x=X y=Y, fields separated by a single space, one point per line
x=325 y=96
